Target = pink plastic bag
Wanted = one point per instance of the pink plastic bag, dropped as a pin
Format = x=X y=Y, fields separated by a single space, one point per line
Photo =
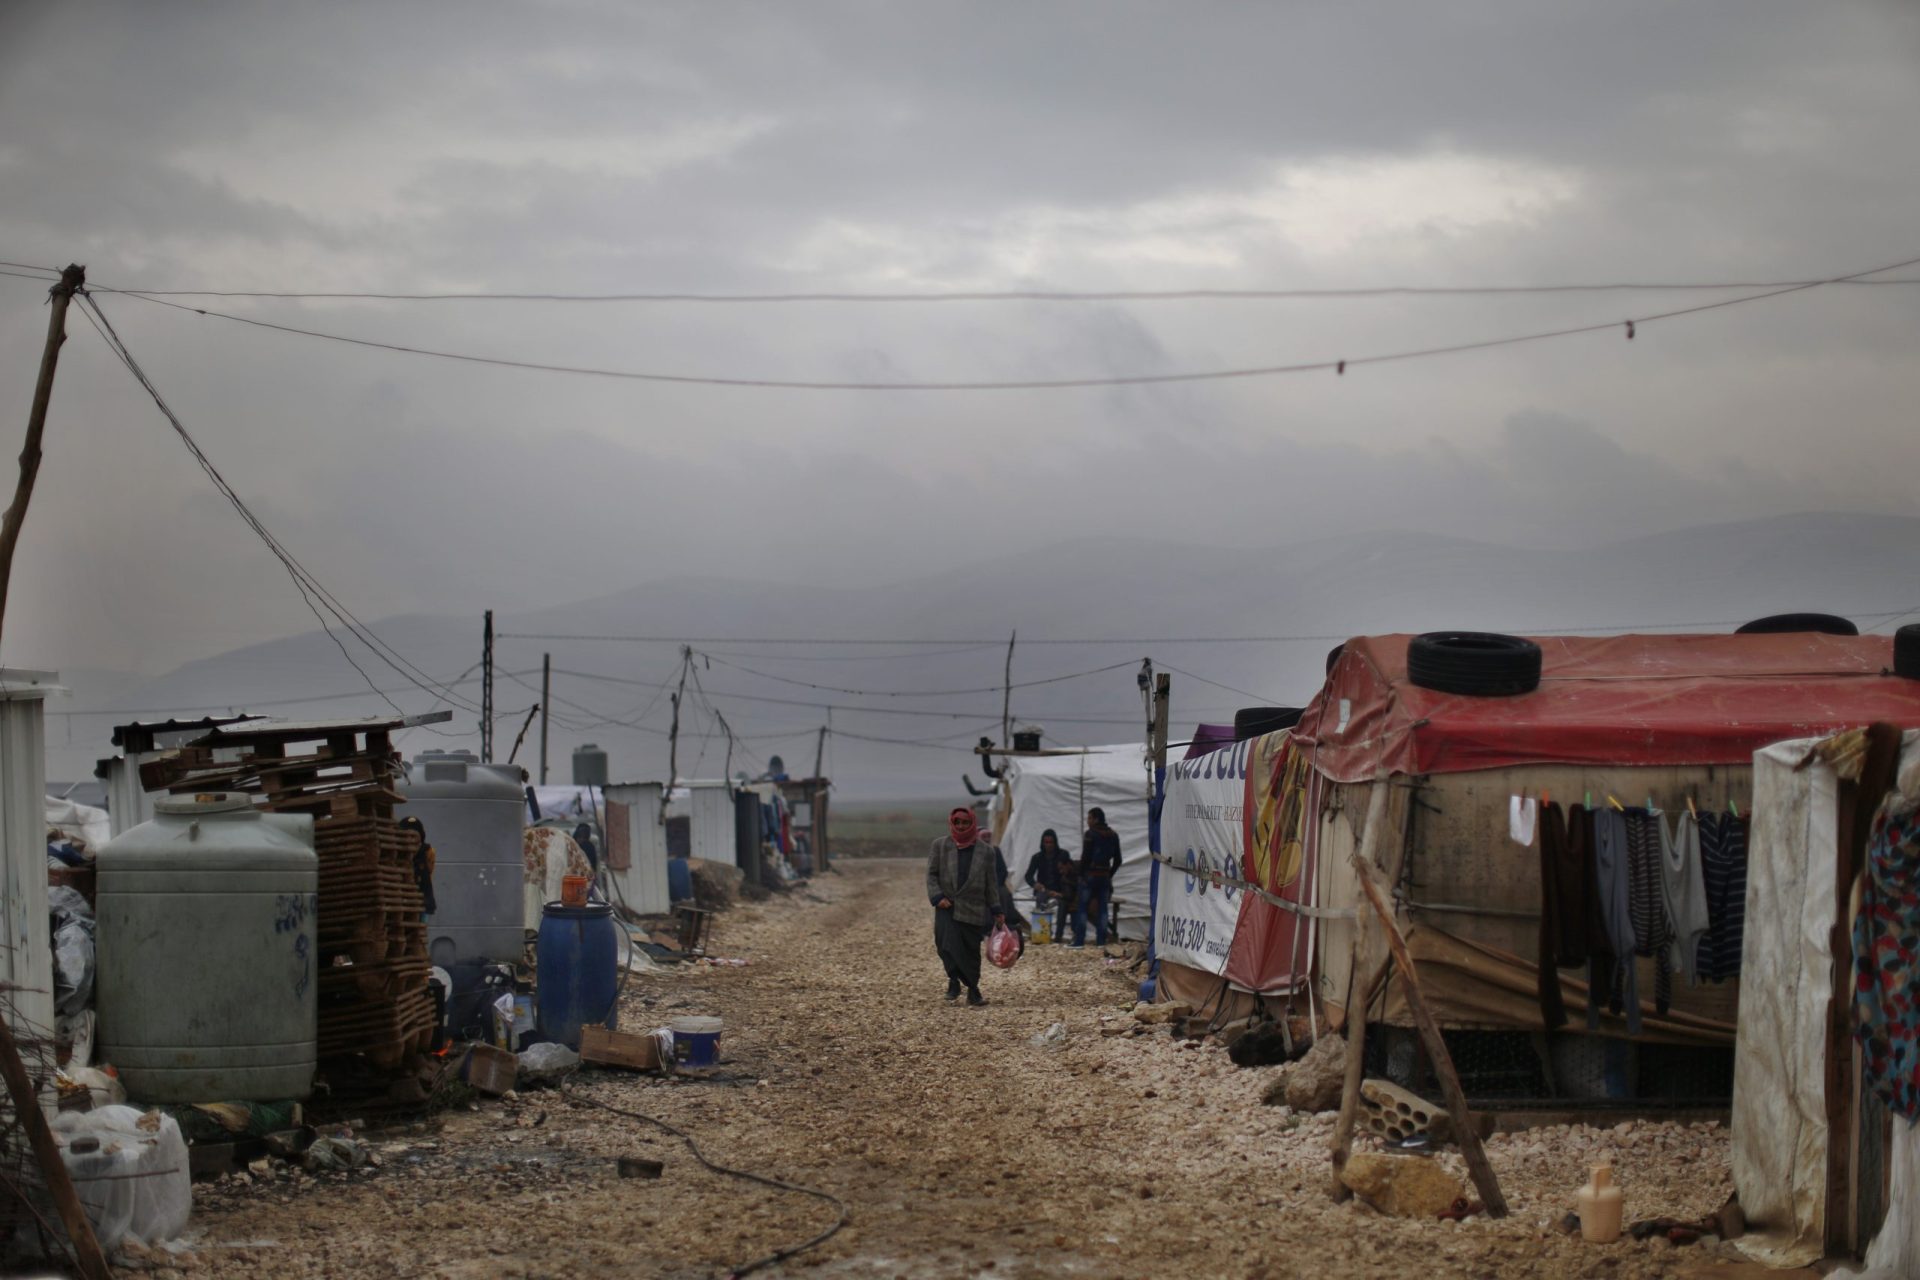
x=1003 y=947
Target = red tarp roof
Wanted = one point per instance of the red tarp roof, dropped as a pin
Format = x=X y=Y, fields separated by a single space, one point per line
x=1615 y=700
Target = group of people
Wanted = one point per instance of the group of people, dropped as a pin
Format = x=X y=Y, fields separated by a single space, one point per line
x=967 y=885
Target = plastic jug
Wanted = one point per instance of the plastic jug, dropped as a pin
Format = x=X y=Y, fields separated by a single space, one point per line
x=1600 y=1206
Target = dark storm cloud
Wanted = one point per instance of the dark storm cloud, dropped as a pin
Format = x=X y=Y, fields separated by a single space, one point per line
x=601 y=147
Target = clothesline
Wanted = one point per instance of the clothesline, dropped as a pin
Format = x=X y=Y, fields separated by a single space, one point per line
x=1228 y=882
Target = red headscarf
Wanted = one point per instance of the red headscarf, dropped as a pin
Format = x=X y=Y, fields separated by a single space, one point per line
x=962 y=827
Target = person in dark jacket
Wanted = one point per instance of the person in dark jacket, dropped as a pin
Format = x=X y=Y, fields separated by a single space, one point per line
x=423 y=860
x=583 y=836
x=967 y=885
x=1099 y=859
x=1052 y=877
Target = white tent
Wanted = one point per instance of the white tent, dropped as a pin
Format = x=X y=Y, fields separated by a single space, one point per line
x=1780 y=1133
x=1056 y=792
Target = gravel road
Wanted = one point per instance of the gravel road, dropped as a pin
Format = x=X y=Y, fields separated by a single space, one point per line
x=960 y=1146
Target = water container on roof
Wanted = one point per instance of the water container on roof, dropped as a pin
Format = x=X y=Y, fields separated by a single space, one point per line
x=207 y=960
x=589 y=766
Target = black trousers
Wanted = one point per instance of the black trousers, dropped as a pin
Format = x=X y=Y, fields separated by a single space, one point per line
x=959 y=947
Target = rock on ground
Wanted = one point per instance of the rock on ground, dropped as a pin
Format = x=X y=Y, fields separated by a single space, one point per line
x=1404 y=1186
x=1314 y=1082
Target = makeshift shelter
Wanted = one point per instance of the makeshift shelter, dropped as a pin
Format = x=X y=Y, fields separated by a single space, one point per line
x=633 y=863
x=1644 y=721
x=1818 y=1162
x=707 y=807
x=1055 y=790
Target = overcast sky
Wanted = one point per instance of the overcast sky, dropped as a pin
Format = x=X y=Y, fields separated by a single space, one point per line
x=606 y=147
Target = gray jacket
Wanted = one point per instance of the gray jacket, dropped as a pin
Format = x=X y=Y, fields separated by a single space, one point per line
x=975 y=901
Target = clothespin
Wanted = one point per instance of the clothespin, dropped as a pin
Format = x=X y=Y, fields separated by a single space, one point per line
x=1545 y=799
x=1615 y=802
x=1690 y=809
x=1589 y=799
x=1649 y=803
x=1733 y=808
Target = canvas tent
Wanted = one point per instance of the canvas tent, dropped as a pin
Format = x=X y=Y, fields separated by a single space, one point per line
x=1055 y=791
x=1816 y=1189
x=1649 y=718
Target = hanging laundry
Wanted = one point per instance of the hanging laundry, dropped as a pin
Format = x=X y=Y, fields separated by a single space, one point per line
x=1522 y=812
x=1652 y=931
x=1571 y=931
x=1683 y=887
x=1886 y=962
x=1611 y=976
x=1723 y=864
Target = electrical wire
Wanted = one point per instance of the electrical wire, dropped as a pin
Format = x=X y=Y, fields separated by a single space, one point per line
x=1337 y=365
x=778 y=1255
x=1257 y=697
x=918 y=693
x=310 y=587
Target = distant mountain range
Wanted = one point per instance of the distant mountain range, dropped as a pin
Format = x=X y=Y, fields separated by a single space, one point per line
x=1067 y=600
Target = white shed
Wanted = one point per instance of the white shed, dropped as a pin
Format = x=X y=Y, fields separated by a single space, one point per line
x=634 y=861
x=26 y=948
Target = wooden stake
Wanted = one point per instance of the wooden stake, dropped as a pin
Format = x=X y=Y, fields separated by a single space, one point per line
x=86 y=1247
x=60 y=296
x=1006 y=701
x=546 y=700
x=1463 y=1131
x=1356 y=1021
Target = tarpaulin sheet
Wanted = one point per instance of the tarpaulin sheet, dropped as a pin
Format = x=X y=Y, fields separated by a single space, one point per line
x=1272 y=947
x=1203 y=830
x=1056 y=792
x=1208 y=737
x=1615 y=700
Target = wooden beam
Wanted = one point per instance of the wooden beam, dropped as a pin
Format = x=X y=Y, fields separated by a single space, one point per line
x=1356 y=1021
x=1463 y=1127
x=86 y=1246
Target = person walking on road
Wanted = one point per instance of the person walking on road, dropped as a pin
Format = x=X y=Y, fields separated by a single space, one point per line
x=966 y=883
x=1099 y=859
x=1051 y=875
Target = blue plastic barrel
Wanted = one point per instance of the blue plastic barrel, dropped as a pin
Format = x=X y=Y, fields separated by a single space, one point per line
x=679 y=880
x=579 y=973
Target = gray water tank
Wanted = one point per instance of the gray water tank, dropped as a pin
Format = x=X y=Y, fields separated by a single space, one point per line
x=589 y=766
x=475 y=815
x=207 y=956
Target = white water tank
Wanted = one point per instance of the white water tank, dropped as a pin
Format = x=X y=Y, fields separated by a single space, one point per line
x=475 y=815
x=206 y=950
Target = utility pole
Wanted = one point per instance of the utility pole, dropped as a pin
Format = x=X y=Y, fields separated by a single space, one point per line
x=546 y=700
x=673 y=734
x=1162 y=699
x=819 y=751
x=59 y=297
x=486 y=691
x=1006 y=702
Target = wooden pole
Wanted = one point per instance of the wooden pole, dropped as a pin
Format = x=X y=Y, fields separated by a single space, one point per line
x=1464 y=1132
x=673 y=733
x=546 y=700
x=819 y=751
x=1006 y=702
x=522 y=736
x=1162 y=699
x=86 y=1247
x=486 y=690
x=1356 y=1023
x=59 y=296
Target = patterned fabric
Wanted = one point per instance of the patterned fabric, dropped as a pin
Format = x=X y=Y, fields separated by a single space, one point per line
x=1646 y=897
x=1886 y=963
x=1723 y=861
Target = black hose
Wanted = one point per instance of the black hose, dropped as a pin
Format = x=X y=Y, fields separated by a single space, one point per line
x=779 y=1255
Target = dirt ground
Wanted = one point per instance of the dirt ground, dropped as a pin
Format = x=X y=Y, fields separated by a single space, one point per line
x=960 y=1146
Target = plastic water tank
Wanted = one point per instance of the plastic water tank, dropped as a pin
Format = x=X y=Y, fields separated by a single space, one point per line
x=207 y=958
x=589 y=766
x=475 y=816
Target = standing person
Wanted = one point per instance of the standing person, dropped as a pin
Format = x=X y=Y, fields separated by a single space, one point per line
x=966 y=879
x=583 y=836
x=423 y=860
x=1052 y=877
x=1099 y=859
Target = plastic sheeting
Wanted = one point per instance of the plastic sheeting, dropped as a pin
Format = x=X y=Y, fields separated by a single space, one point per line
x=1615 y=700
x=1897 y=1247
x=82 y=820
x=137 y=1185
x=1056 y=792
x=1779 y=1131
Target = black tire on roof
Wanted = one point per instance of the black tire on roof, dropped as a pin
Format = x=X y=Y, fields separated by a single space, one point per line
x=1479 y=664
x=1825 y=624
x=1906 y=651
x=1251 y=722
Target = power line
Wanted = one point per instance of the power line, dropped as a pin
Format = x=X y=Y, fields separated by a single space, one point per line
x=310 y=587
x=1608 y=628
x=1257 y=697
x=919 y=693
x=1335 y=365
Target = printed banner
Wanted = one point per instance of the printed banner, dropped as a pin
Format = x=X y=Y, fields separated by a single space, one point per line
x=1203 y=830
